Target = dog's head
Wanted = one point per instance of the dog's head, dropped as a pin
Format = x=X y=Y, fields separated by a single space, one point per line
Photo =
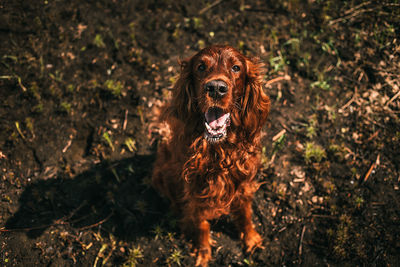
x=221 y=88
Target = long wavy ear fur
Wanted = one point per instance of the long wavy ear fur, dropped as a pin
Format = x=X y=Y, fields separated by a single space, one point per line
x=181 y=105
x=255 y=103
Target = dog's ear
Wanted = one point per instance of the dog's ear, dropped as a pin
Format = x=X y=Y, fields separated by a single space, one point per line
x=255 y=103
x=182 y=106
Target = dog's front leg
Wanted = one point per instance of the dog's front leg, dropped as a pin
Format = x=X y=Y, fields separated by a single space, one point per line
x=202 y=243
x=242 y=213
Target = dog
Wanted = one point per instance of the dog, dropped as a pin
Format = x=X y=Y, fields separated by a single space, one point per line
x=207 y=164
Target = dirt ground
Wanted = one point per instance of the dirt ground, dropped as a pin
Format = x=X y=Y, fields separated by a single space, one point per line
x=79 y=81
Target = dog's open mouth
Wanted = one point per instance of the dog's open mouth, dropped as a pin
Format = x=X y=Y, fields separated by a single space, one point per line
x=216 y=122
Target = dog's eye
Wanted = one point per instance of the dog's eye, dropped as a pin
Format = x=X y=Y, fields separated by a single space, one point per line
x=236 y=68
x=201 y=67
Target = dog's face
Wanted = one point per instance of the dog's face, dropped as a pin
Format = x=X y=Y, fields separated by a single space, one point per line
x=218 y=77
x=220 y=90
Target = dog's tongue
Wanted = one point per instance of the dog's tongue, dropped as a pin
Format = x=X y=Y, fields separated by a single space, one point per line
x=216 y=118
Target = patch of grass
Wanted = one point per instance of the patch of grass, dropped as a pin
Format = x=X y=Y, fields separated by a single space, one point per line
x=134 y=256
x=38 y=108
x=114 y=87
x=34 y=91
x=249 y=262
x=303 y=61
x=29 y=125
x=132 y=32
x=358 y=201
x=65 y=107
x=339 y=152
x=330 y=48
x=109 y=141
x=158 y=232
x=130 y=144
x=19 y=130
x=70 y=88
x=170 y=236
x=312 y=127
x=177 y=33
x=278 y=63
x=383 y=36
x=201 y=43
x=6 y=198
x=323 y=84
x=197 y=23
x=98 y=41
x=57 y=76
x=342 y=236
x=331 y=111
x=264 y=157
x=175 y=257
x=241 y=45
x=314 y=153
x=279 y=143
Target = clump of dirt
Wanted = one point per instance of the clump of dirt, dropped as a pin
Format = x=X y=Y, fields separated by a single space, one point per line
x=79 y=83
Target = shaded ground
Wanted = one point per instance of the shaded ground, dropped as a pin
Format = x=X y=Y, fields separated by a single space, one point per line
x=79 y=79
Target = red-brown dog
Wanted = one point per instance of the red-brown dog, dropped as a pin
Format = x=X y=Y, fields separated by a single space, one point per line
x=207 y=166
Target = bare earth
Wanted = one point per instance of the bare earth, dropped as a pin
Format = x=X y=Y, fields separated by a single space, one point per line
x=79 y=83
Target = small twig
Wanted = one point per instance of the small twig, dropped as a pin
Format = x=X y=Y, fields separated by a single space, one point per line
x=67 y=146
x=373 y=166
x=301 y=242
x=98 y=223
x=282 y=229
x=277 y=79
x=125 y=120
x=20 y=84
x=62 y=221
x=19 y=130
x=350 y=101
x=373 y=135
x=114 y=171
x=18 y=79
x=58 y=222
x=210 y=6
x=279 y=135
x=349 y=11
x=100 y=254
x=271 y=160
x=374 y=122
x=332 y=217
x=353 y=12
x=3 y=229
x=392 y=99
x=286 y=127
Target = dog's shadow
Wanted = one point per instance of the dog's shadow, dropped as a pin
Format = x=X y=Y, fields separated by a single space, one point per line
x=116 y=196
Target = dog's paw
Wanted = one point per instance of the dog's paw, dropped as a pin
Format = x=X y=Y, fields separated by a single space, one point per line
x=252 y=241
x=203 y=256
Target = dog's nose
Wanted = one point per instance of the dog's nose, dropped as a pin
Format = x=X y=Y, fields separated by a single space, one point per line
x=216 y=88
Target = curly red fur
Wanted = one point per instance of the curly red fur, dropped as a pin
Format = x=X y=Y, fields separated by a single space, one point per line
x=204 y=179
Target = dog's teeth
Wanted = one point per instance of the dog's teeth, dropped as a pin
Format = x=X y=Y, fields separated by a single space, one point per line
x=208 y=127
x=215 y=135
